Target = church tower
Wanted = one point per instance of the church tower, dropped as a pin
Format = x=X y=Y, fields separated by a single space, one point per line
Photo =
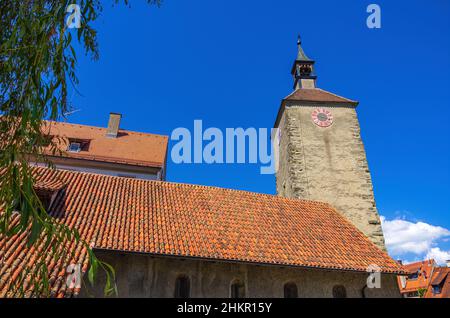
x=322 y=156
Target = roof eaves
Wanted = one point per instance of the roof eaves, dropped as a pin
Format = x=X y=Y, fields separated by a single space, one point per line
x=241 y=261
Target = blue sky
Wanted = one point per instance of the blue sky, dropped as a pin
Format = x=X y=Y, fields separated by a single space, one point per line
x=228 y=63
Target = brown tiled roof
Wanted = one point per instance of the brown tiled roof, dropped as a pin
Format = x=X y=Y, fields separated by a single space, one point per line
x=129 y=147
x=183 y=220
x=441 y=276
x=425 y=270
x=318 y=95
x=49 y=184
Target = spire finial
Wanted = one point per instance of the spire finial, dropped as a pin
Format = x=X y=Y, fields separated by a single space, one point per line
x=301 y=56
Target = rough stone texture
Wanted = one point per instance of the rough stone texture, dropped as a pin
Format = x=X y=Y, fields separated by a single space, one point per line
x=139 y=275
x=328 y=164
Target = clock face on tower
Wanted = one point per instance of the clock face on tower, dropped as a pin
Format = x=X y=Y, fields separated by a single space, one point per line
x=322 y=117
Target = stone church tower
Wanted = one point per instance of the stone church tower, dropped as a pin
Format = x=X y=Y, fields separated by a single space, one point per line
x=321 y=154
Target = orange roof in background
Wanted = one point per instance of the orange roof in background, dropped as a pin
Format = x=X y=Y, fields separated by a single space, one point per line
x=133 y=148
x=162 y=218
x=425 y=269
x=318 y=95
x=441 y=276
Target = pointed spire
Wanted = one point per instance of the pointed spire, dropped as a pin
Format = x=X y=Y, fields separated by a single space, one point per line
x=301 y=56
x=303 y=69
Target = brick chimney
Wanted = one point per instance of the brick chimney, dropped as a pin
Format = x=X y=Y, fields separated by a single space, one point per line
x=113 y=125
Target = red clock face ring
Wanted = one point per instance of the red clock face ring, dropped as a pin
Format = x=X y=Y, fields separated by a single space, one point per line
x=322 y=117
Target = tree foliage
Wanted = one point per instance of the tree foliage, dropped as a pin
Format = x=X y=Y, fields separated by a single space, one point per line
x=37 y=66
x=421 y=292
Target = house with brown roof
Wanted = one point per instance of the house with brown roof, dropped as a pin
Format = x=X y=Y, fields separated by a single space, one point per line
x=111 y=151
x=170 y=239
x=425 y=279
x=439 y=286
x=417 y=282
x=320 y=236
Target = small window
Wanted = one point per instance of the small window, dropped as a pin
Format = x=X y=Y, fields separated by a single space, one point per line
x=339 y=292
x=77 y=145
x=413 y=276
x=290 y=290
x=74 y=147
x=437 y=289
x=182 y=287
x=237 y=289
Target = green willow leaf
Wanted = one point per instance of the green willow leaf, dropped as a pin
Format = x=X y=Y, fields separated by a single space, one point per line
x=37 y=67
x=35 y=232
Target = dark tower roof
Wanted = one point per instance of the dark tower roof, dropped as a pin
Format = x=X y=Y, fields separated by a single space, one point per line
x=301 y=56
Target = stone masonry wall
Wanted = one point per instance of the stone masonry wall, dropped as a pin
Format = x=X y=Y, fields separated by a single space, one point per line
x=140 y=275
x=328 y=164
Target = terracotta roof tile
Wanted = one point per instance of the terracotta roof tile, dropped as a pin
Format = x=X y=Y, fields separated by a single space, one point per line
x=313 y=95
x=163 y=218
x=318 y=95
x=441 y=276
x=52 y=184
x=425 y=270
x=129 y=147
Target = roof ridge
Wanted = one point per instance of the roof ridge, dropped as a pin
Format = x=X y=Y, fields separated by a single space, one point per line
x=344 y=99
x=104 y=128
x=184 y=184
x=325 y=91
x=302 y=89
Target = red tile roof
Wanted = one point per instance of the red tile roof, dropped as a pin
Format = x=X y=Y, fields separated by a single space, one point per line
x=183 y=220
x=318 y=95
x=441 y=276
x=425 y=270
x=129 y=147
x=46 y=185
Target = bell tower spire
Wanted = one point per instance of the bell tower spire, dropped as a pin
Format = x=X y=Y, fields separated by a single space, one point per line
x=303 y=69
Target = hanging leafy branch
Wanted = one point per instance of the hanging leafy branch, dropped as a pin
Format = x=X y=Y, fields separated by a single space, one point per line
x=37 y=66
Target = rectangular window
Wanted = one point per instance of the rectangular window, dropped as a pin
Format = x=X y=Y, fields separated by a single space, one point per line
x=74 y=147
x=77 y=145
x=437 y=289
x=413 y=276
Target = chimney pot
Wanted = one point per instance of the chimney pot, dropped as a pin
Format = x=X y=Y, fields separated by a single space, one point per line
x=448 y=262
x=400 y=261
x=113 y=125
